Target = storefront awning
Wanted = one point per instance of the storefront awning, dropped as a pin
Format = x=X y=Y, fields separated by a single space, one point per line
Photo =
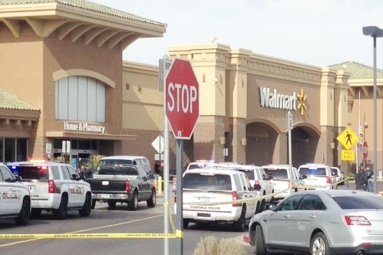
x=78 y=135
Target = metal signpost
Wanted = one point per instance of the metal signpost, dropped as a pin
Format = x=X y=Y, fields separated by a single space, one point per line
x=164 y=67
x=289 y=118
x=182 y=111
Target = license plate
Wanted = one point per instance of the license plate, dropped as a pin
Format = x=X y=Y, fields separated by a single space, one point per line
x=105 y=182
x=105 y=196
x=203 y=214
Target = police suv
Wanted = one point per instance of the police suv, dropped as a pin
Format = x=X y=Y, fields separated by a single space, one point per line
x=54 y=187
x=15 y=200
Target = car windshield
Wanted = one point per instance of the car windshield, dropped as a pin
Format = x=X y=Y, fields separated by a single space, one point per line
x=277 y=174
x=207 y=181
x=249 y=173
x=319 y=171
x=361 y=202
x=118 y=171
x=31 y=172
x=113 y=162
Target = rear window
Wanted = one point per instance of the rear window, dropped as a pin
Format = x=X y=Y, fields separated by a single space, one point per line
x=31 y=172
x=277 y=174
x=112 y=162
x=195 y=166
x=312 y=171
x=249 y=173
x=362 y=202
x=334 y=171
x=207 y=181
x=118 y=171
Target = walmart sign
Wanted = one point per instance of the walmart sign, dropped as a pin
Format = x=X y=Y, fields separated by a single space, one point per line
x=271 y=99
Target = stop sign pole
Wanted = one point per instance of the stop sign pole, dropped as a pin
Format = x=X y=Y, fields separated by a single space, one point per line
x=182 y=111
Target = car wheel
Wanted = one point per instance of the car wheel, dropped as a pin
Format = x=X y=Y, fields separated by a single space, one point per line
x=263 y=205
x=240 y=224
x=87 y=207
x=133 y=204
x=93 y=203
x=36 y=212
x=62 y=212
x=319 y=245
x=112 y=204
x=151 y=202
x=25 y=213
x=185 y=223
x=260 y=248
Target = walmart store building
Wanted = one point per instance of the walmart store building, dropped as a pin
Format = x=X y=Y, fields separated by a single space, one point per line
x=62 y=78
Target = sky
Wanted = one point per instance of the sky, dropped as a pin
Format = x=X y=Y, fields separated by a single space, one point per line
x=312 y=32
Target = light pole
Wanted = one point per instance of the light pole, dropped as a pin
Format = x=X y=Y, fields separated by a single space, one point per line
x=374 y=32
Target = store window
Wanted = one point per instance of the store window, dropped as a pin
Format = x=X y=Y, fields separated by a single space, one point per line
x=21 y=148
x=80 y=98
x=2 y=149
x=10 y=149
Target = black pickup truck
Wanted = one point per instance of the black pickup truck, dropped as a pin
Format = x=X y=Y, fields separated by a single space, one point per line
x=122 y=184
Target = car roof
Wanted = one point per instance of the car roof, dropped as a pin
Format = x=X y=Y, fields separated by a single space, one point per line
x=217 y=170
x=36 y=163
x=123 y=157
x=314 y=164
x=275 y=166
x=338 y=192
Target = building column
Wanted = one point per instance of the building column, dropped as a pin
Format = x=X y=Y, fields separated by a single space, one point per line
x=239 y=142
x=280 y=155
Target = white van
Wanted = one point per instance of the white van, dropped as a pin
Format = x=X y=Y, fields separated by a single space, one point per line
x=125 y=160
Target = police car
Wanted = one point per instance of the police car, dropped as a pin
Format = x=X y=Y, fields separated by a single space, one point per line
x=54 y=187
x=15 y=200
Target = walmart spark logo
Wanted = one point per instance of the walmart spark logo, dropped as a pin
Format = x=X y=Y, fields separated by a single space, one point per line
x=302 y=97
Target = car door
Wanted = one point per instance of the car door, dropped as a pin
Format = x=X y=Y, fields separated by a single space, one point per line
x=144 y=184
x=68 y=185
x=304 y=220
x=248 y=193
x=11 y=192
x=280 y=223
x=79 y=187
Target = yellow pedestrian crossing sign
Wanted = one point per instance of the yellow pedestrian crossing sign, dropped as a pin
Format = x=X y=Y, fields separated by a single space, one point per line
x=348 y=155
x=347 y=138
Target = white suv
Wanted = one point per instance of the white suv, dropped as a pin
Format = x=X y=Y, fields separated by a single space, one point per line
x=260 y=182
x=285 y=181
x=317 y=176
x=15 y=200
x=216 y=185
x=54 y=187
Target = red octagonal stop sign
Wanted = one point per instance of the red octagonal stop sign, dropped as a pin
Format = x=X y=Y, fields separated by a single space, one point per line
x=182 y=98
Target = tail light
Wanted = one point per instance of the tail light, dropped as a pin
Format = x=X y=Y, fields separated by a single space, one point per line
x=128 y=188
x=51 y=186
x=257 y=186
x=328 y=179
x=175 y=199
x=234 y=195
x=357 y=221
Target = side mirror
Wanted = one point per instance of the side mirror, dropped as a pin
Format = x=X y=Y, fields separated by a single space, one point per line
x=304 y=176
x=273 y=207
x=18 y=178
x=151 y=176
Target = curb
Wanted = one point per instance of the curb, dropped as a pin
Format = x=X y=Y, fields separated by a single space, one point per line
x=246 y=238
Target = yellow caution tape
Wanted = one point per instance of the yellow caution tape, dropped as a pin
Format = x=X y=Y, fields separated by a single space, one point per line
x=87 y=236
x=179 y=234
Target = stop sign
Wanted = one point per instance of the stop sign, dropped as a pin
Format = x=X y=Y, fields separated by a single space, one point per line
x=182 y=99
x=365 y=150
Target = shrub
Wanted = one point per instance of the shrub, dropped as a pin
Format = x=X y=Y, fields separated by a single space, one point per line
x=210 y=245
x=349 y=176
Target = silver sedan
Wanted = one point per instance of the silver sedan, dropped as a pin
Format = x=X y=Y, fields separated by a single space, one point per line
x=321 y=222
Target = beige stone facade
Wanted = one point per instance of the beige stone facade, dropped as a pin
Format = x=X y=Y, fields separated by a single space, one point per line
x=244 y=97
